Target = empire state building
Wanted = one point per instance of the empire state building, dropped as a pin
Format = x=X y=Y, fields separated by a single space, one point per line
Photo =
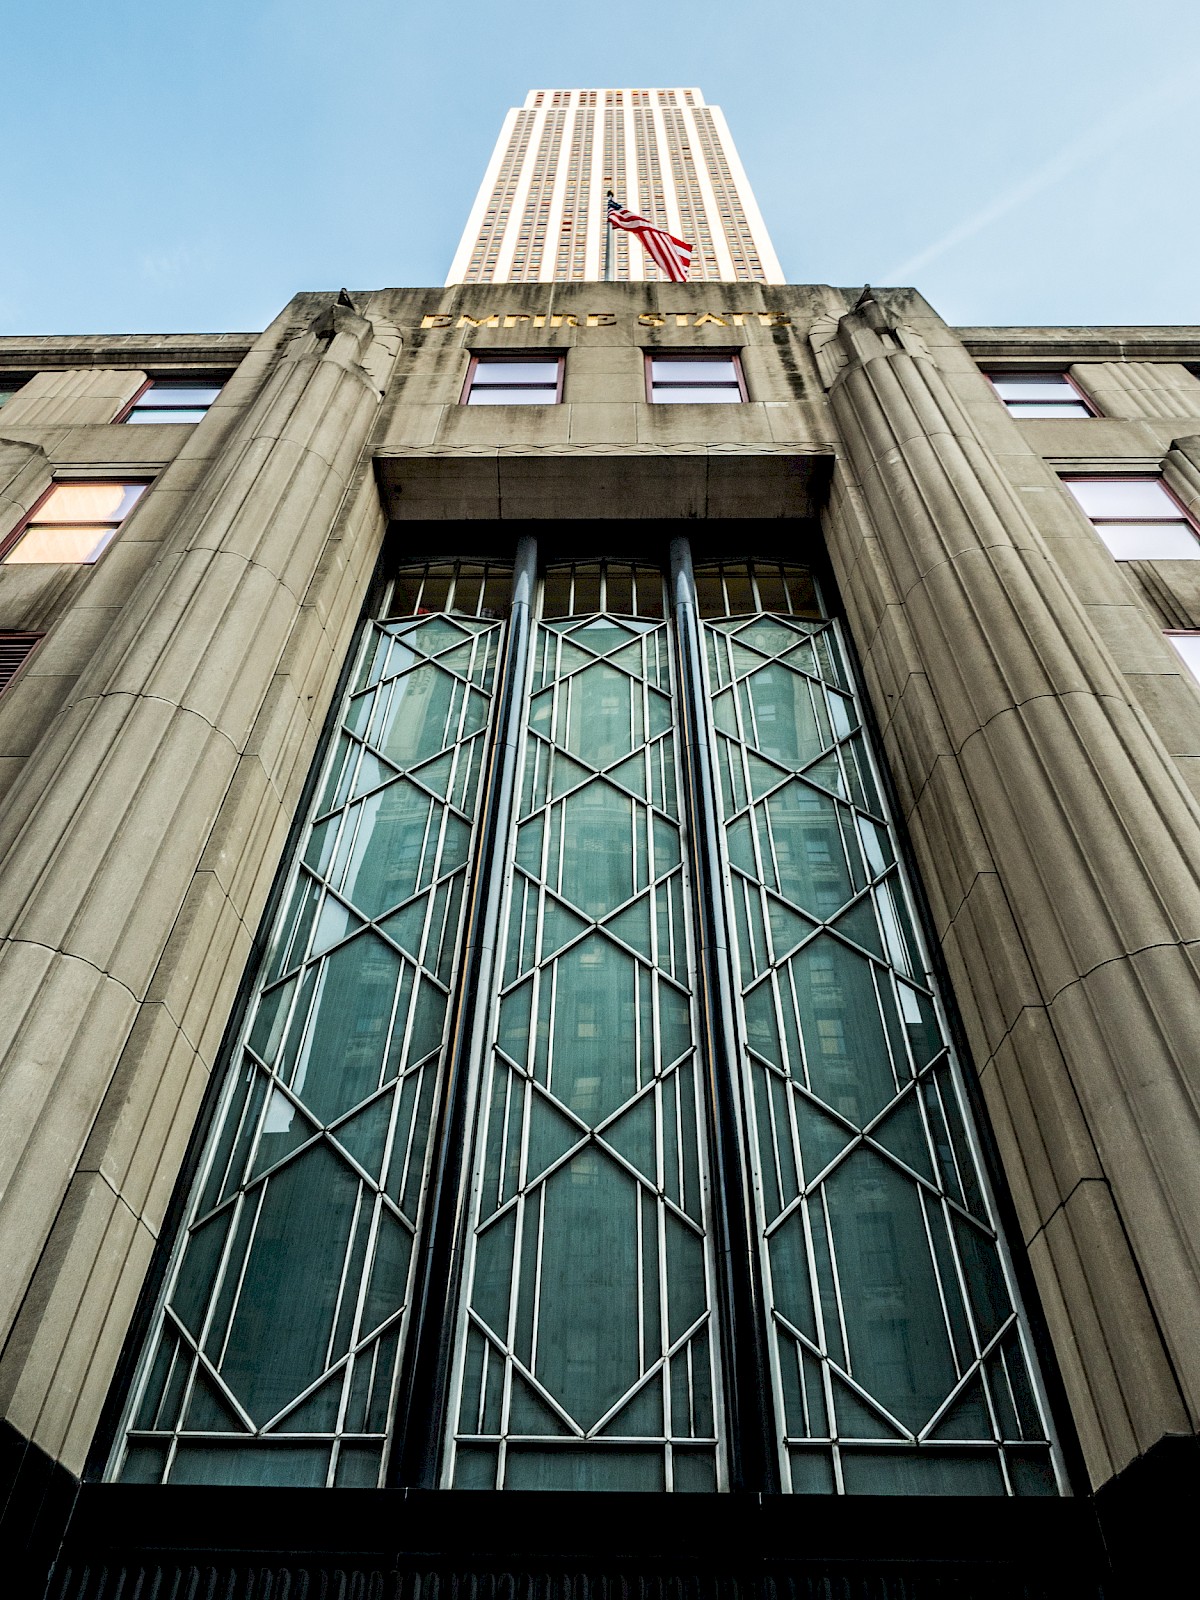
x=539 y=213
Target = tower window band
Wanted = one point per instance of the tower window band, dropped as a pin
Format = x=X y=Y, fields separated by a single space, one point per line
x=594 y=1124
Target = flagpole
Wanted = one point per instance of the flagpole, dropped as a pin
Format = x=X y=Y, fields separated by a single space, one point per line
x=608 y=239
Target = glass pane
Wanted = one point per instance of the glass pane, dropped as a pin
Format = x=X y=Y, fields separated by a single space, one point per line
x=1062 y=408
x=77 y=546
x=1150 y=541
x=1188 y=646
x=512 y=397
x=180 y=394
x=649 y=591
x=1123 y=498
x=167 y=414
x=856 y=1134
x=697 y=396
x=298 y=1244
x=619 y=588
x=1035 y=386
x=720 y=369
x=79 y=503
x=496 y=369
x=587 y=1342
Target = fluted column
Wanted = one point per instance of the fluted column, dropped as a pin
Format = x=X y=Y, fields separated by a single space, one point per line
x=138 y=844
x=1181 y=470
x=1061 y=851
x=72 y=394
x=24 y=475
x=1138 y=390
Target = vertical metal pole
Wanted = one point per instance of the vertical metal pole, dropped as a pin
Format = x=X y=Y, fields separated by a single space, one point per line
x=753 y=1458
x=608 y=241
x=425 y=1370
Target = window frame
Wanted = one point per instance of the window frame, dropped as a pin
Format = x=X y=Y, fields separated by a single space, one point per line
x=1096 y=523
x=1017 y=374
x=10 y=540
x=516 y=358
x=734 y=355
x=172 y=380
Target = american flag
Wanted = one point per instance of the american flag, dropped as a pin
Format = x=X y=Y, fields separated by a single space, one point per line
x=674 y=256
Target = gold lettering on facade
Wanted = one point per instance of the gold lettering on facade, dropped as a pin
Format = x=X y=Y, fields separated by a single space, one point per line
x=606 y=319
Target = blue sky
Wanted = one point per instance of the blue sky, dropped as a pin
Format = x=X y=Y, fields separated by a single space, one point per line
x=179 y=166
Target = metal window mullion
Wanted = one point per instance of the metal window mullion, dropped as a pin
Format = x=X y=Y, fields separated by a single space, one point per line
x=752 y=1452
x=422 y=1388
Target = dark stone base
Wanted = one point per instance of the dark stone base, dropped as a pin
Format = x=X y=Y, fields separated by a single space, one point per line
x=105 y=1541
x=1148 y=1519
x=259 y=1544
x=36 y=1499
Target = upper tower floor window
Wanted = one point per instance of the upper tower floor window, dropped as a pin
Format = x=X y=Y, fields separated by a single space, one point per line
x=513 y=380
x=72 y=523
x=685 y=379
x=1138 y=518
x=173 y=400
x=1040 y=394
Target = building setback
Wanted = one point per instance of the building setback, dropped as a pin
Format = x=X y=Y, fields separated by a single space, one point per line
x=599 y=897
x=539 y=213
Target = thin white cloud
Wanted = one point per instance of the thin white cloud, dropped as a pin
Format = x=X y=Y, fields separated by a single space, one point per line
x=167 y=266
x=1101 y=137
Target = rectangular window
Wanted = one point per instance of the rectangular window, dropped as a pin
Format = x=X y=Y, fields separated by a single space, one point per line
x=15 y=651
x=694 y=379
x=508 y=380
x=10 y=383
x=1188 y=646
x=1138 y=518
x=173 y=400
x=72 y=524
x=1040 y=394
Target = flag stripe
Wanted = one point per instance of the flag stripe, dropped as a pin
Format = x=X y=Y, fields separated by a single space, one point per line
x=673 y=256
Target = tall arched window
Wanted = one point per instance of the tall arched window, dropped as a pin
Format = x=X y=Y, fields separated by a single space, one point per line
x=594 y=1123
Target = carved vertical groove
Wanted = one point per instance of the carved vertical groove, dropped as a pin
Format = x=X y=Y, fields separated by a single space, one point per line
x=139 y=841
x=1062 y=851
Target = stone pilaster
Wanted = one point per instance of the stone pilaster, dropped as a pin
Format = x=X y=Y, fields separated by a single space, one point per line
x=1181 y=472
x=1061 y=851
x=76 y=395
x=139 y=841
x=24 y=477
x=1137 y=391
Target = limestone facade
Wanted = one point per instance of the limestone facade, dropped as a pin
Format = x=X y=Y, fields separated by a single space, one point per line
x=1042 y=734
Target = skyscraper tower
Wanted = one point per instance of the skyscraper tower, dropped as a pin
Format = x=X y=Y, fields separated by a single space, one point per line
x=539 y=213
